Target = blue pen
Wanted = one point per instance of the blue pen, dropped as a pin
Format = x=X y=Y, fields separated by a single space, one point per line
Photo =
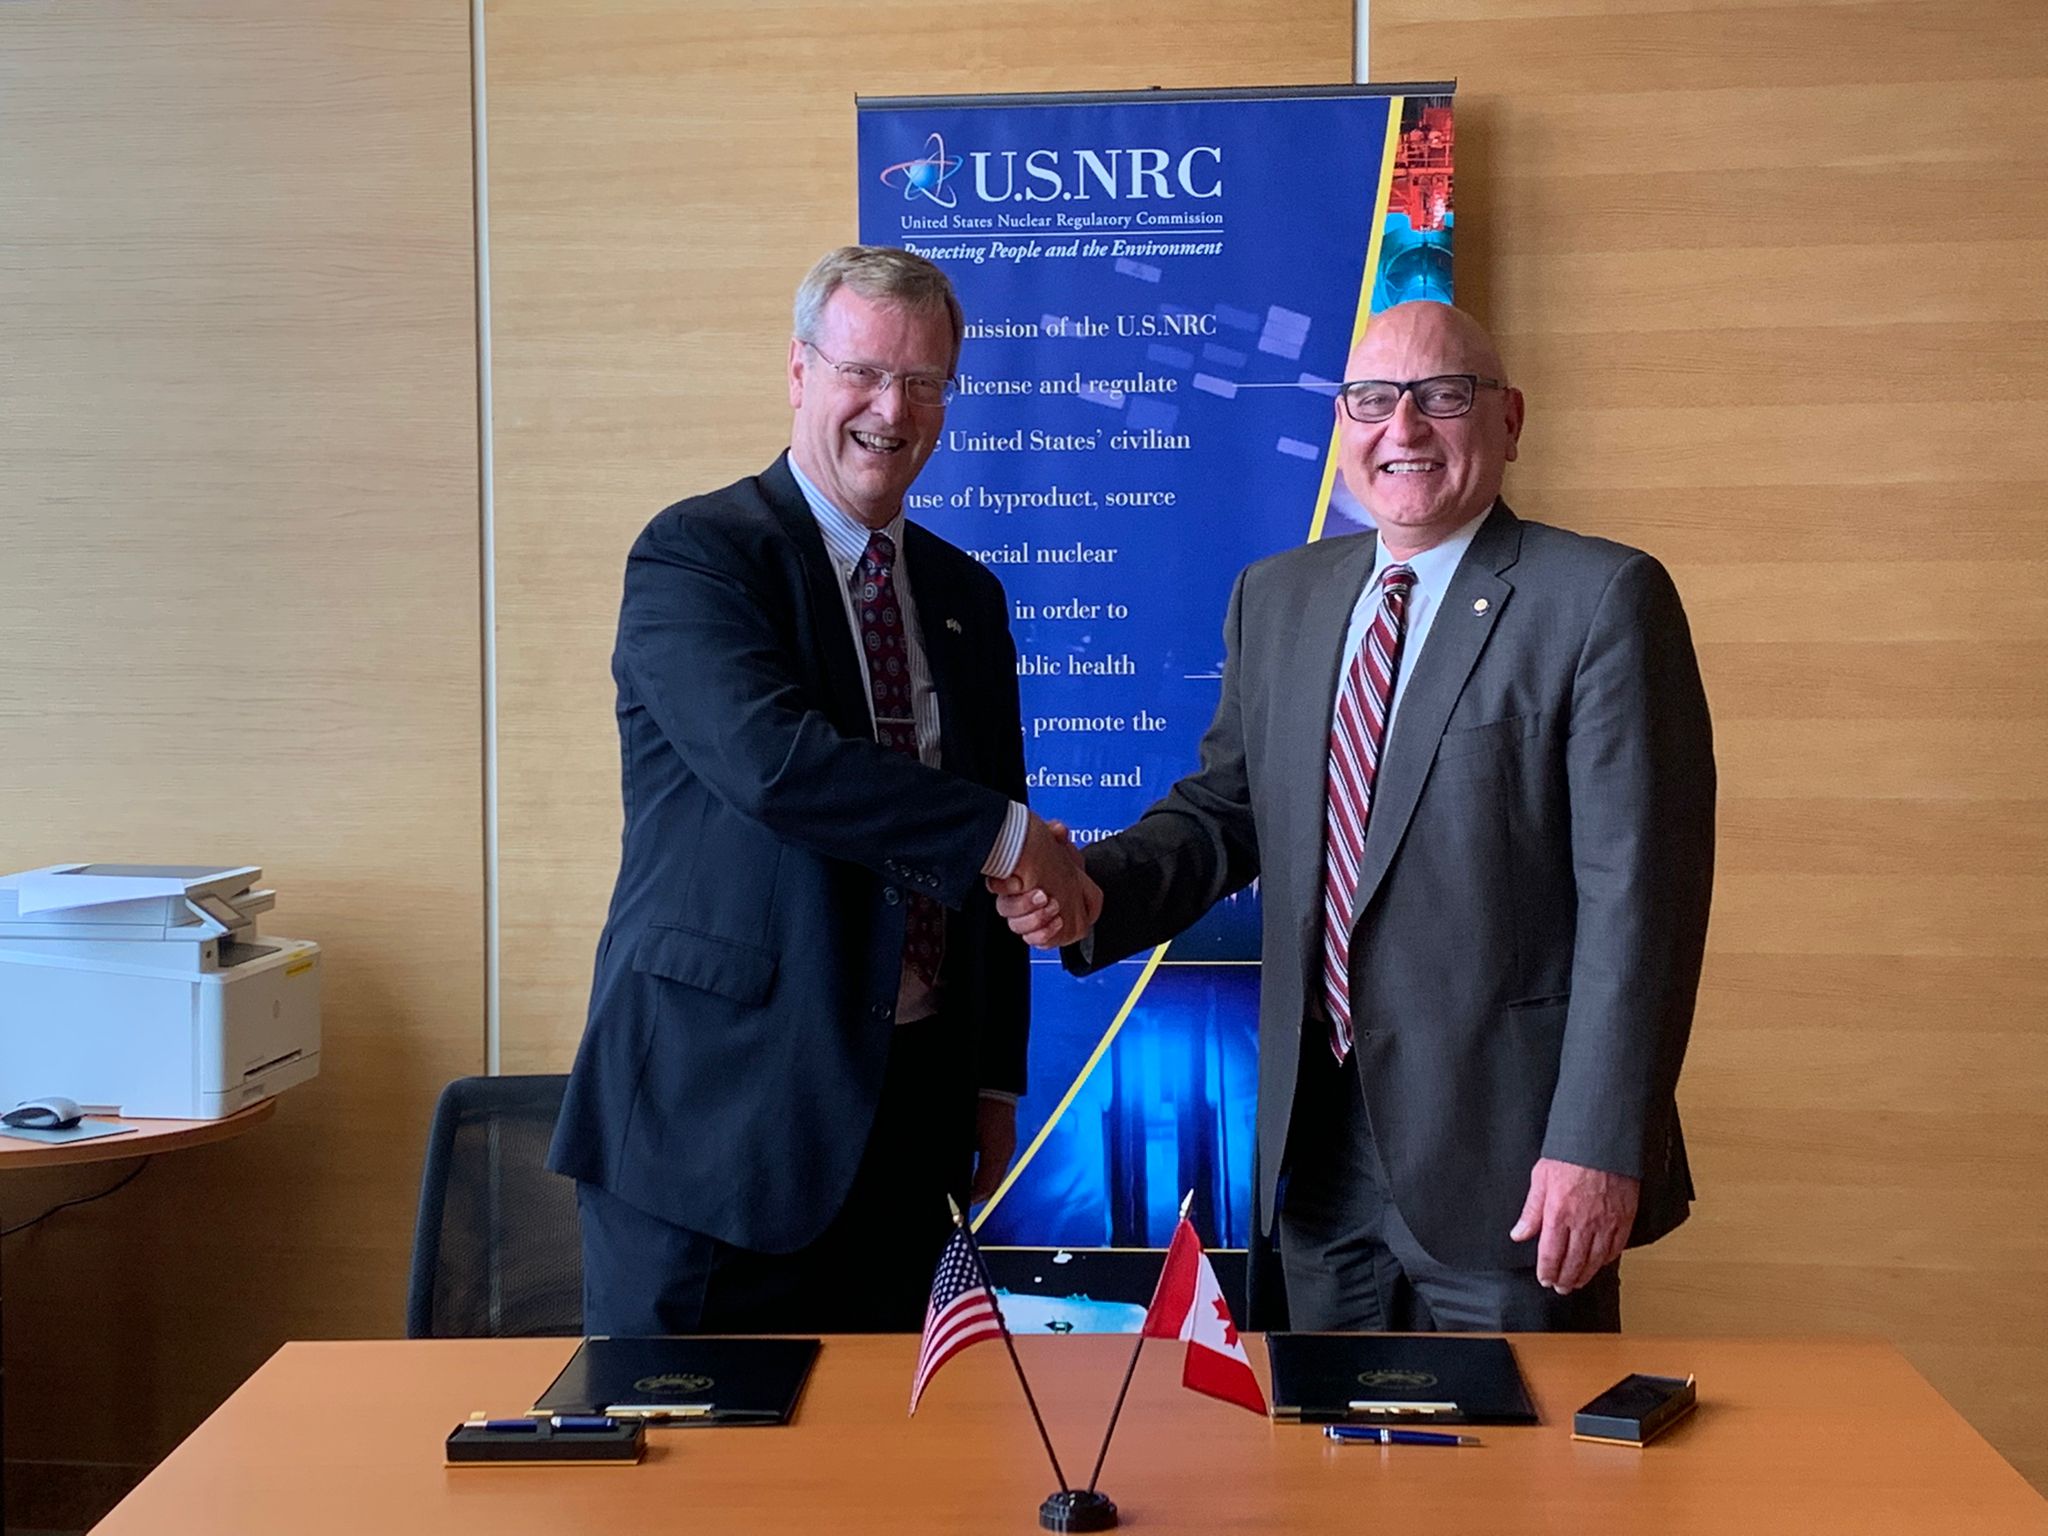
x=1372 y=1434
x=567 y=1421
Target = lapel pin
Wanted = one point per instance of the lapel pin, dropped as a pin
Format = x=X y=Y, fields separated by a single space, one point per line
x=1479 y=605
x=954 y=626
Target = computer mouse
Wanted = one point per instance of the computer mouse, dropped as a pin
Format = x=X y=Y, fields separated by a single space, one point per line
x=51 y=1114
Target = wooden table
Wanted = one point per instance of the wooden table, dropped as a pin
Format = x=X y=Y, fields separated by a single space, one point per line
x=1793 y=1435
x=151 y=1137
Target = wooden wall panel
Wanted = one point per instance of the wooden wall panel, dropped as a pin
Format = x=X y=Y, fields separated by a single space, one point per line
x=660 y=178
x=239 y=617
x=1769 y=270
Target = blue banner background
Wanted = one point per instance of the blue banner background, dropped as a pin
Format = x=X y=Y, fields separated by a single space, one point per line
x=1184 y=436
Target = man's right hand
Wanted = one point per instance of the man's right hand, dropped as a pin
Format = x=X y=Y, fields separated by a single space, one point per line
x=1048 y=899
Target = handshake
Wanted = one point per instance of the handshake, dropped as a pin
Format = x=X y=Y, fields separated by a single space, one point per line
x=1048 y=899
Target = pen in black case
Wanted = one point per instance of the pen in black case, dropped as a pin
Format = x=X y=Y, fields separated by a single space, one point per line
x=562 y=1421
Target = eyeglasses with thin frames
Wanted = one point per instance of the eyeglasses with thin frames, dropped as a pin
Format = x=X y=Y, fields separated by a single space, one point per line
x=925 y=389
x=1441 y=396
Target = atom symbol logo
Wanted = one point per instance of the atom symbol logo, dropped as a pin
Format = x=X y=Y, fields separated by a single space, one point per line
x=926 y=176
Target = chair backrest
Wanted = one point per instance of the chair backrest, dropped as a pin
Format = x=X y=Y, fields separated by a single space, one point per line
x=495 y=1252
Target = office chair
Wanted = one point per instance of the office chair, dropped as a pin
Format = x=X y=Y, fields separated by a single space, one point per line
x=495 y=1252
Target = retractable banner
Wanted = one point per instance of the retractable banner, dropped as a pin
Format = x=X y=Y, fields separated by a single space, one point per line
x=1161 y=289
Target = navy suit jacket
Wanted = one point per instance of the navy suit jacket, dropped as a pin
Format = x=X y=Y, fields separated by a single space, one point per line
x=745 y=990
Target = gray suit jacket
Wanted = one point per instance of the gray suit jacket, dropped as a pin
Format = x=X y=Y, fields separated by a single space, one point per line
x=1532 y=901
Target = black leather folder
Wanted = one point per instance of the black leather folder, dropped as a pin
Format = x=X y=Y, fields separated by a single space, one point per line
x=1396 y=1378
x=684 y=1381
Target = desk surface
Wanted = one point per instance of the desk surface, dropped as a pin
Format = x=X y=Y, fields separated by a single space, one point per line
x=154 y=1136
x=1791 y=1436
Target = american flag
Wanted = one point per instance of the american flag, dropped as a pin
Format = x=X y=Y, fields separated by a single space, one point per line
x=961 y=1312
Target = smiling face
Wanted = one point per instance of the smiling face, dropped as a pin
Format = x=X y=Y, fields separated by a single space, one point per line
x=863 y=451
x=1423 y=477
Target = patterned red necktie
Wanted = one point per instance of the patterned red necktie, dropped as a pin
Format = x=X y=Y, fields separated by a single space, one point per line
x=1356 y=734
x=888 y=657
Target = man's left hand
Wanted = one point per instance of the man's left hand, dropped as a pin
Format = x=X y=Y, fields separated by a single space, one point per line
x=995 y=1142
x=1580 y=1218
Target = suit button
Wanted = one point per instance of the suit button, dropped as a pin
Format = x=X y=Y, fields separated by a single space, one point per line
x=881 y=1011
x=892 y=896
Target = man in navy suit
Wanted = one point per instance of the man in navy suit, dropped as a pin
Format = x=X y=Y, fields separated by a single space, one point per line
x=808 y=1022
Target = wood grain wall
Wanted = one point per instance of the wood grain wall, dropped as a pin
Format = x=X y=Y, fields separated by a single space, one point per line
x=239 y=621
x=1771 y=276
x=660 y=178
x=1769 y=272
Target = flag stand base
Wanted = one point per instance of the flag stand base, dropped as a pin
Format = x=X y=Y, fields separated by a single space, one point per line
x=1077 y=1509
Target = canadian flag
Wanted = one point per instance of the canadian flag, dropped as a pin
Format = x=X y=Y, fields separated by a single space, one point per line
x=1189 y=1305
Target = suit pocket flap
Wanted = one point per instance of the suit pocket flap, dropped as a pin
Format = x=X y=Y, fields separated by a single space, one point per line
x=1490 y=737
x=711 y=964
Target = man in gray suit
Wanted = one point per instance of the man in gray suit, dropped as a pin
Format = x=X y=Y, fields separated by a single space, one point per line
x=1469 y=758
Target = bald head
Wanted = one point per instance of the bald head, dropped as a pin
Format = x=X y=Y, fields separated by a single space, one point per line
x=1424 y=476
x=1423 y=326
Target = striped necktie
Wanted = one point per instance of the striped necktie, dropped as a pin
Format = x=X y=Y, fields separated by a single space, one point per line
x=888 y=659
x=1357 y=731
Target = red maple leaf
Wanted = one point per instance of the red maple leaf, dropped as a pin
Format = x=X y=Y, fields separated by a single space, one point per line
x=1229 y=1328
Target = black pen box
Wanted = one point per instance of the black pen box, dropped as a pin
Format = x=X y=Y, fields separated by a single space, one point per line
x=475 y=1445
x=1635 y=1410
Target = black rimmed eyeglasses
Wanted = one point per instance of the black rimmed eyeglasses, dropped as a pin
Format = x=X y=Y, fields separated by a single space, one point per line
x=866 y=379
x=1442 y=395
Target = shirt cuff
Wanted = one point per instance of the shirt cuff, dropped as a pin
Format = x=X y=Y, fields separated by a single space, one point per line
x=999 y=1096
x=1002 y=859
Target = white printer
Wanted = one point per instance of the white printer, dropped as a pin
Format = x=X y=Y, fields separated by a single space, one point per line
x=144 y=990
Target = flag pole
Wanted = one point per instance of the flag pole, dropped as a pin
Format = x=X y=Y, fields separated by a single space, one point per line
x=988 y=1284
x=1132 y=1369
